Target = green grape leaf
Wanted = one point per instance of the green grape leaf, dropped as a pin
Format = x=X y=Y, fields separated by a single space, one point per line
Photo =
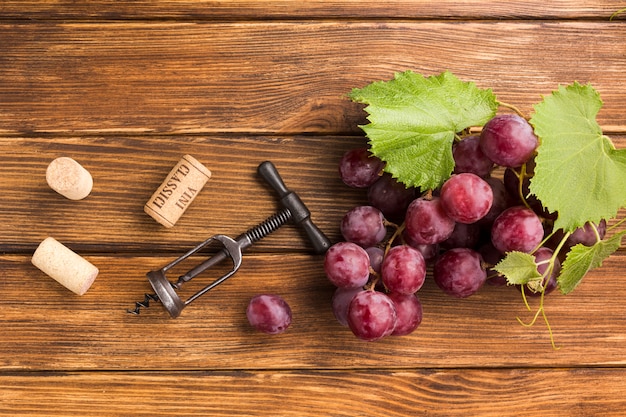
x=578 y=172
x=518 y=268
x=581 y=259
x=413 y=121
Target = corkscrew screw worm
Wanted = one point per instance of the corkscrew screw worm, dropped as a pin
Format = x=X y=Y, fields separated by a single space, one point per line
x=293 y=210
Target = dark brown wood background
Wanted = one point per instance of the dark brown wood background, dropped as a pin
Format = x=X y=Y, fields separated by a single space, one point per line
x=127 y=88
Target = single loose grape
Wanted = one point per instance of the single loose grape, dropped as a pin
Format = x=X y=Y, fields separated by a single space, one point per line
x=269 y=313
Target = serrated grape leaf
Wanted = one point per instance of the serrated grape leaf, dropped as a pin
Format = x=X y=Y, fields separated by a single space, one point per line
x=581 y=259
x=578 y=172
x=518 y=268
x=413 y=121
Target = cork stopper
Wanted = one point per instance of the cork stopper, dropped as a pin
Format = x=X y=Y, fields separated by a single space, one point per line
x=65 y=266
x=68 y=178
x=177 y=192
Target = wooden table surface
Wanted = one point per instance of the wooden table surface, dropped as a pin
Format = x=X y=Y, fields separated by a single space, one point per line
x=127 y=88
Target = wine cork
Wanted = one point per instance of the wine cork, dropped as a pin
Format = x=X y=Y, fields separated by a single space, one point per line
x=67 y=267
x=178 y=190
x=68 y=178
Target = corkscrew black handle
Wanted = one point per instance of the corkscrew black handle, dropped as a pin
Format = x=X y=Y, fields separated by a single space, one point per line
x=291 y=201
x=293 y=209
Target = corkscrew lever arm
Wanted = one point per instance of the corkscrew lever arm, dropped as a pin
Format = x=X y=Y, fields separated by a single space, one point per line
x=293 y=209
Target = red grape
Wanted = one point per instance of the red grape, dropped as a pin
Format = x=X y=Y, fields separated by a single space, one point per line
x=403 y=270
x=363 y=225
x=459 y=272
x=269 y=313
x=427 y=223
x=501 y=201
x=508 y=140
x=347 y=265
x=341 y=302
x=358 y=168
x=517 y=228
x=463 y=236
x=409 y=313
x=468 y=157
x=429 y=252
x=376 y=255
x=466 y=198
x=371 y=315
x=390 y=196
x=587 y=235
x=491 y=256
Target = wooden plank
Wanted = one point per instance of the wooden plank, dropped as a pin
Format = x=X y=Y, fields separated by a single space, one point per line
x=128 y=87
x=485 y=392
x=293 y=9
x=45 y=327
x=127 y=170
x=279 y=77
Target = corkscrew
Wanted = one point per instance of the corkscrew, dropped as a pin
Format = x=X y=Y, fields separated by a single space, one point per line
x=293 y=209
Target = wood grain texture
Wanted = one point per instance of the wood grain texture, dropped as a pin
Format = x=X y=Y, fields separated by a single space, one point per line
x=280 y=77
x=485 y=392
x=295 y=9
x=95 y=332
x=127 y=88
x=127 y=170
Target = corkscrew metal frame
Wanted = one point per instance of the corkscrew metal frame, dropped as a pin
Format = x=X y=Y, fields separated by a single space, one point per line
x=293 y=209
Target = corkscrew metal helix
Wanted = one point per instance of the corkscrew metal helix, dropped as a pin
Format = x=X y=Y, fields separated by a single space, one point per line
x=293 y=209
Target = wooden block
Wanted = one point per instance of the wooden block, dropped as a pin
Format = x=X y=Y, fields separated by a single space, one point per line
x=68 y=178
x=178 y=190
x=67 y=267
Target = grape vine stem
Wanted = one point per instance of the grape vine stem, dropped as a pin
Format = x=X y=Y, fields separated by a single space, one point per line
x=619 y=223
x=397 y=233
x=512 y=107
x=614 y=15
x=542 y=310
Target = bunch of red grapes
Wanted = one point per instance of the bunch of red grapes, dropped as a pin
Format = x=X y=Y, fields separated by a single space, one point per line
x=462 y=229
